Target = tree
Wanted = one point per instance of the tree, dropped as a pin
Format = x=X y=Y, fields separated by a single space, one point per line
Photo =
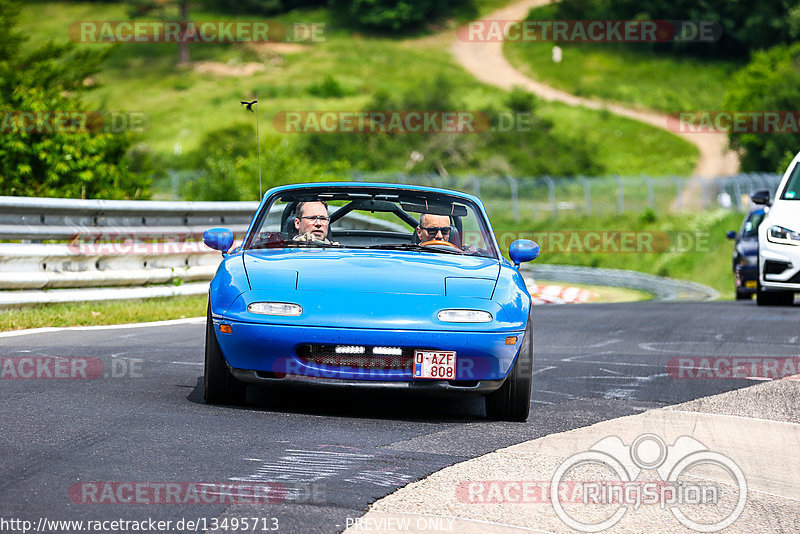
x=44 y=157
x=142 y=8
x=746 y=26
x=770 y=82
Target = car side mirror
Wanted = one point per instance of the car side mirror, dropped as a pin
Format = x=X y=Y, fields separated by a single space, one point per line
x=523 y=250
x=219 y=239
x=761 y=197
x=730 y=234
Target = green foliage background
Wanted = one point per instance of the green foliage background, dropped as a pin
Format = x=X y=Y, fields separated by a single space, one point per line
x=770 y=82
x=49 y=78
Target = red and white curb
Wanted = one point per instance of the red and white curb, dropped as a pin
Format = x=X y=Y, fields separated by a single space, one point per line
x=551 y=294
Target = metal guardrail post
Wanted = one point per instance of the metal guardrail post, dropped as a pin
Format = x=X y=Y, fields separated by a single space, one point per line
x=476 y=186
x=651 y=198
x=705 y=187
x=678 y=193
x=620 y=195
x=587 y=196
x=737 y=192
x=514 y=197
x=551 y=195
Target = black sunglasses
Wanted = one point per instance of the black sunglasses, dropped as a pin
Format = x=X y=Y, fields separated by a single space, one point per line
x=433 y=230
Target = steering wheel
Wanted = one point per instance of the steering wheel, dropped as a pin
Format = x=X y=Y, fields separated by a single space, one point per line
x=434 y=242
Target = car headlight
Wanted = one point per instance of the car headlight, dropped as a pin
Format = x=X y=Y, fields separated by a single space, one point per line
x=464 y=316
x=275 y=308
x=784 y=236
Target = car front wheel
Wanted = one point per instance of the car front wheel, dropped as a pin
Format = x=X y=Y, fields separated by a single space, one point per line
x=775 y=298
x=219 y=385
x=512 y=402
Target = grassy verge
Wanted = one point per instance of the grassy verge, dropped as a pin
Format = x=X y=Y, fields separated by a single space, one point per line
x=683 y=246
x=624 y=146
x=630 y=73
x=102 y=313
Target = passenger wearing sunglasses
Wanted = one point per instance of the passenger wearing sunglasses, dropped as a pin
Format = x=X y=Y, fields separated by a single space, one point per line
x=311 y=220
x=433 y=228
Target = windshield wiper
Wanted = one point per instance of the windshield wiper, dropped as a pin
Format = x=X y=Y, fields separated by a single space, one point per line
x=310 y=244
x=412 y=246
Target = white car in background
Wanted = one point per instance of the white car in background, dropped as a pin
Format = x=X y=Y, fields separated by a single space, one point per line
x=779 y=241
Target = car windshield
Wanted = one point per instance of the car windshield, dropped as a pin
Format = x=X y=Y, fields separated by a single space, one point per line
x=372 y=218
x=750 y=227
x=792 y=189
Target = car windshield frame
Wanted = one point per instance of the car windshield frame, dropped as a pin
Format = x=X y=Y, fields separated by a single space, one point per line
x=794 y=183
x=402 y=198
x=758 y=215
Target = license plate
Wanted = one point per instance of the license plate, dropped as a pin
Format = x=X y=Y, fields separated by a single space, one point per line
x=438 y=365
x=751 y=284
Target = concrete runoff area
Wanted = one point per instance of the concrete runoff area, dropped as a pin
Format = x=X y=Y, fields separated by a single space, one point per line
x=757 y=429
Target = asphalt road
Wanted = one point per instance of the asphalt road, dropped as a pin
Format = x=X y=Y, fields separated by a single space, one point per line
x=332 y=453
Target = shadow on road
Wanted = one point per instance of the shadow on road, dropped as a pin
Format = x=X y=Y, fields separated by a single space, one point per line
x=358 y=404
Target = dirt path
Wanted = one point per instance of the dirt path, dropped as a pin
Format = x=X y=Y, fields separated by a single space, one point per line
x=485 y=60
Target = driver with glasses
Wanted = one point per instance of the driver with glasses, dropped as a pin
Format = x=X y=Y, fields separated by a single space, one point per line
x=311 y=221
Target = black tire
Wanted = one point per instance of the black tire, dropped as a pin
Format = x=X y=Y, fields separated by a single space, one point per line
x=219 y=385
x=743 y=295
x=512 y=402
x=775 y=298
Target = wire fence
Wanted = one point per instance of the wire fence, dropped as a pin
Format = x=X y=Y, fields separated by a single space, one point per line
x=546 y=196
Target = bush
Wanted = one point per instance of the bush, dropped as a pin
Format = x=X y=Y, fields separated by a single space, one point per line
x=396 y=15
x=52 y=161
x=501 y=149
x=770 y=82
x=227 y=160
x=327 y=88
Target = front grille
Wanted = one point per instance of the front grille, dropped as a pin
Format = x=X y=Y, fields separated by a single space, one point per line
x=326 y=355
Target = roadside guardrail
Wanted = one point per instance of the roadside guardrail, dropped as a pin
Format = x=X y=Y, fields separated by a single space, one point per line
x=67 y=250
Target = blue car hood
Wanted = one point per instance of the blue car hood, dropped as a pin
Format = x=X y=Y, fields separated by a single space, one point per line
x=371 y=271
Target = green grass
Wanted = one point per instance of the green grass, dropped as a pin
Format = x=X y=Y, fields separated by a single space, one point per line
x=694 y=245
x=627 y=72
x=102 y=313
x=183 y=105
x=624 y=146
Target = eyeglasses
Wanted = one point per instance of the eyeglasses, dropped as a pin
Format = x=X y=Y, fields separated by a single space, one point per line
x=317 y=218
x=433 y=230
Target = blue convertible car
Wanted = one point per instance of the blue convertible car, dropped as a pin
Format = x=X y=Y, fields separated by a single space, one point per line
x=374 y=286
